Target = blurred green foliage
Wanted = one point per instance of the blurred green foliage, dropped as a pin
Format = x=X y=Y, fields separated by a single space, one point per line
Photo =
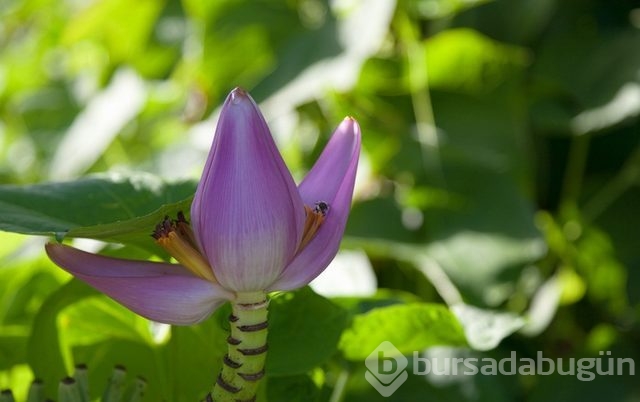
x=499 y=176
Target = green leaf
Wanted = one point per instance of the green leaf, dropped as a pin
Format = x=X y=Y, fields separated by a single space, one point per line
x=435 y=9
x=97 y=22
x=13 y=342
x=193 y=357
x=24 y=284
x=410 y=327
x=299 y=388
x=464 y=60
x=45 y=353
x=100 y=318
x=484 y=239
x=304 y=329
x=382 y=298
x=23 y=287
x=106 y=207
x=387 y=225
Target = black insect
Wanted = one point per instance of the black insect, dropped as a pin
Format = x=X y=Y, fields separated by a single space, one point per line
x=321 y=207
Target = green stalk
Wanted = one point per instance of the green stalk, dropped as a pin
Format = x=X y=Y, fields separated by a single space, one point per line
x=243 y=365
x=574 y=172
x=82 y=379
x=136 y=391
x=428 y=137
x=6 y=396
x=68 y=391
x=115 y=387
x=36 y=392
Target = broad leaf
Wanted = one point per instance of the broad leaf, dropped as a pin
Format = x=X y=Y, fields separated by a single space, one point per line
x=299 y=388
x=98 y=319
x=409 y=327
x=113 y=207
x=304 y=329
x=46 y=355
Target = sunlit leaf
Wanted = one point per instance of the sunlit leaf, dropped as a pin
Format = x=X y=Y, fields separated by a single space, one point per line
x=112 y=207
x=98 y=319
x=124 y=28
x=409 y=327
x=464 y=60
x=46 y=354
x=434 y=9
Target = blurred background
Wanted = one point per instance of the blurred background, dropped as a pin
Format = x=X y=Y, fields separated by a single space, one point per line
x=500 y=163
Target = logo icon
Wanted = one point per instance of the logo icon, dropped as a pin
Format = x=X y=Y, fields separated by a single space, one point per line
x=386 y=369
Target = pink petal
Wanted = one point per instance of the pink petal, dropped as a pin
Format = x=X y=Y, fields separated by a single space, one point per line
x=161 y=292
x=331 y=180
x=247 y=214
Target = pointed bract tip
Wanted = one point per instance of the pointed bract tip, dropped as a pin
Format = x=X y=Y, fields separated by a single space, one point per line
x=238 y=95
x=352 y=121
x=349 y=125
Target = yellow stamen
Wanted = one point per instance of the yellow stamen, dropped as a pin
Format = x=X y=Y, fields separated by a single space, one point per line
x=176 y=237
x=186 y=255
x=311 y=226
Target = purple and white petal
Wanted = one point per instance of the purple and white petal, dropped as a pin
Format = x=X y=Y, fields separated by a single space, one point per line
x=331 y=179
x=161 y=292
x=247 y=213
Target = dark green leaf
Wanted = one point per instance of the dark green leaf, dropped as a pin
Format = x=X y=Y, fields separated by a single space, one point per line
x=298 y=388
x=107 y=207
x=197 y=352
x=304 y=329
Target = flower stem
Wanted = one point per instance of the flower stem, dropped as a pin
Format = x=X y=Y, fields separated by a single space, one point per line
x=243 y=365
